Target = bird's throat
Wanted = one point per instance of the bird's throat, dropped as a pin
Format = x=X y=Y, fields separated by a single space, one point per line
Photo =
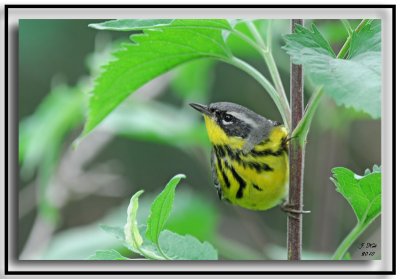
x=218 y=136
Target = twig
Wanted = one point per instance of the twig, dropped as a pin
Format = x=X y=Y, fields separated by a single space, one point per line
x=296 y=152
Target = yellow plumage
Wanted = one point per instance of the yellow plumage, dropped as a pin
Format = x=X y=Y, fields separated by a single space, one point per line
x=263 y=171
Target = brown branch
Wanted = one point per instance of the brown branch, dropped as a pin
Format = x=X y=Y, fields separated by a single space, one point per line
x=296 y=157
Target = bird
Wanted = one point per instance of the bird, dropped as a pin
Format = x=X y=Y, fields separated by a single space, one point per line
x=249 y=155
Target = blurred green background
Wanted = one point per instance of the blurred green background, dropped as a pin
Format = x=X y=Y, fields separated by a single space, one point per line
x=66 y=192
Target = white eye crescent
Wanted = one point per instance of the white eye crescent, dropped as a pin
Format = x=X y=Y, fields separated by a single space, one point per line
x=227 y=119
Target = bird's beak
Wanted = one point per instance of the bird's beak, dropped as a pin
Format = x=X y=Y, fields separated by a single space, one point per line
x=202 y=108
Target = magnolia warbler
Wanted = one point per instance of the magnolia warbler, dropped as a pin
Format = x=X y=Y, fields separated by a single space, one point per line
x=249 y=157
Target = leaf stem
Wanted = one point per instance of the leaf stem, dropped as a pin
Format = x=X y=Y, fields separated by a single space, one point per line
x=246 y=39
x=348 y=241
x=162 y=252
x=285 y=113
x=301 y=130
x=268 y=35
x=347 y=25
x=303 y=127
x=149 y=256
x=346 y=46
x=266 y=52
x=270 y=61
x=256 y=34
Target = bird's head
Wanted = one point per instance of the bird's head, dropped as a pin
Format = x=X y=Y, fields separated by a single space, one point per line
x=232 y=124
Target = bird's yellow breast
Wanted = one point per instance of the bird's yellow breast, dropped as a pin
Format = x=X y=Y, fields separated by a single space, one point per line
x=257 y=180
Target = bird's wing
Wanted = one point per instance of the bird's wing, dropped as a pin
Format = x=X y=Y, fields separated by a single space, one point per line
x=214 y=174
x=257 y=136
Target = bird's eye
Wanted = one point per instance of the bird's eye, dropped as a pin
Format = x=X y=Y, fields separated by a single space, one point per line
x=227 y=118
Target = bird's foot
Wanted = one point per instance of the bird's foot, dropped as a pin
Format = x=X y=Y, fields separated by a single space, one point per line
x=291 y=211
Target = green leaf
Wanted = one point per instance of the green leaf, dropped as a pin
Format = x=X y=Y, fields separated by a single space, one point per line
x=362 y=192
x=191 y=214
x=106 y=255
x=115 y=231
x=153 y=53
x=375 y=168
x=353 y=83
x=333 y=31
x=368 y=39
x=148 y=248
x=131 y=230
x=364 y=195
x=161 y=209
x=178 y=247
x=130 y=24
x=307 y=42
x=168 y=245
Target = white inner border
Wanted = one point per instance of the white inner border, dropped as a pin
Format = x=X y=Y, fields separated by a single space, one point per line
x=306 y=13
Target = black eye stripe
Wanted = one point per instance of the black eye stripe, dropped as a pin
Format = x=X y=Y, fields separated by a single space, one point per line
x=232 y=127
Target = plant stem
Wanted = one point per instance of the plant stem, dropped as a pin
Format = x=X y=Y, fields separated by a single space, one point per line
x=162 y=252
x=296 y=157
x=347 y=25
x=302 y=128
x=264 y=83
x=348 y=241
x=346 y=46
x=246 y=39
x=150 y=256
x=266 y=53
x=255 y=33
x=270 y=61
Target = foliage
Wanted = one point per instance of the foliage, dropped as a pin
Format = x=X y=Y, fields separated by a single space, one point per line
x=152 y=53
x=41 y=137
x=362 y=192
x=162 y=232
x=161 y=209
x=334 y=76
x=157 y=243
x=191 y=214
x=107 y=255
x=354 y=82
x=164 y=46
x=364 y=195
